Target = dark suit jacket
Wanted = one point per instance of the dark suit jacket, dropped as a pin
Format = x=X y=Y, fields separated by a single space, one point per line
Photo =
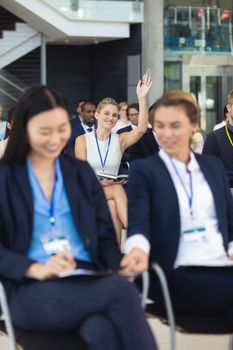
x=154 y=208
x=76 y=130
x=145 y=147
x=89 y=210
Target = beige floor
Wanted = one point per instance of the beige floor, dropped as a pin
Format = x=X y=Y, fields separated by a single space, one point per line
x=184 y=342
x=187 y=342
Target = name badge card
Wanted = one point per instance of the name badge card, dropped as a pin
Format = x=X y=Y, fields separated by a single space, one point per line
x=55 y=243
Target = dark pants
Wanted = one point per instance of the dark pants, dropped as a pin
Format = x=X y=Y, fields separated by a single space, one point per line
x=105 y=310
x=202 y=291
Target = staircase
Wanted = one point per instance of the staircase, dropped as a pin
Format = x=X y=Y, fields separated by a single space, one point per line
x=17 y=43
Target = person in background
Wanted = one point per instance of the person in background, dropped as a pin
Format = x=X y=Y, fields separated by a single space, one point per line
x=54 y=219
x=86 y=123
x=2 y=124
x=103 y=150
x=79 y=104
x=147 y=146
x=123 y=120
x=191 y=238
x=197 y=141
x=3 y=143
x=224 y=121
x=220 y=142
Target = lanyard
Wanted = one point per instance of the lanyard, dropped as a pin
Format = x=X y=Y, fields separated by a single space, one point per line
x=228 y=135
x=103 y=162
x=52 y=202
x=190 y=197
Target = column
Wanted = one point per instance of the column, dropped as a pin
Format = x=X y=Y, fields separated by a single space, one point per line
x=152 y=46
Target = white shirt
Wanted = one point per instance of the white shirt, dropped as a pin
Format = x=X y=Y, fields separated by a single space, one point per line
x=86 y=127
x=2 y=129
x=3 y=145
x=219 y=125
x=208 y=251
x=114 y=154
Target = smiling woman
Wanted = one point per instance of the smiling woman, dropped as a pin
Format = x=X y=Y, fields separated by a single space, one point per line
x=103 y=149
x=184 y=216
x=54 y=218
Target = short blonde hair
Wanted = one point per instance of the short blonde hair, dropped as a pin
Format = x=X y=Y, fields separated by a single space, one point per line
x=122 y=104
x=106 y=101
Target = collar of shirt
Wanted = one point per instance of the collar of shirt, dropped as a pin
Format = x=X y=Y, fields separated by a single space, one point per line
x=41 y=205
x=182 y=167
x=230 y=127
x=87 y=127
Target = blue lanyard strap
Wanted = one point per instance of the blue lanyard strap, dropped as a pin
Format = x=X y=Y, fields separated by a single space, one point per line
x=189 y=196
x=103 y=162
x=52 y=202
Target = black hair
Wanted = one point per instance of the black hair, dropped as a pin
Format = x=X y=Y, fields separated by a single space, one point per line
x=88 y=103
x=132 y=105
x=10 y=117
x=35 y=100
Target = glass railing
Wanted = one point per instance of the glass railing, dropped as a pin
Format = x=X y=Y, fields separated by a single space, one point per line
x=11 y=89
x=200 y=29
x=98 y=10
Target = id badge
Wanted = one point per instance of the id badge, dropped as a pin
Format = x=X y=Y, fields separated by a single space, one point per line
x=195 y=234
x=55 y=243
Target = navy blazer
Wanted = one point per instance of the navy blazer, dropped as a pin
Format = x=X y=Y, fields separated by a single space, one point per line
x=145 y=147
x=88 y=207
x=76 y=130
x=154 y=208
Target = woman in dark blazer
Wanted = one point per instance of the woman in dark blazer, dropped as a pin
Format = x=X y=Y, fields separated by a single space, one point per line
x=181 y=214
x=54 y=218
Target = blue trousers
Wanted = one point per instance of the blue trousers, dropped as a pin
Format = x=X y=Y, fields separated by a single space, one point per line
x=106 y=311
x=200 y=291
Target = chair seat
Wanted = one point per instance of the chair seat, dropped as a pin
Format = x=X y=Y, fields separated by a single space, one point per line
x=191 y=324
x=47 y=341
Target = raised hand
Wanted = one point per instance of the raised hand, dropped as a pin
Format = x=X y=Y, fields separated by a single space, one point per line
x=143 y=86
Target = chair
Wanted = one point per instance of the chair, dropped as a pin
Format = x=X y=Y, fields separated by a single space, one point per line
x=37 y=341
x=5 y=318
x=184 y=323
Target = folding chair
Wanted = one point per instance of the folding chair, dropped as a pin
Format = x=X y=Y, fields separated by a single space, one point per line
x=5 y=318
x=37 y=341
x=184 y=323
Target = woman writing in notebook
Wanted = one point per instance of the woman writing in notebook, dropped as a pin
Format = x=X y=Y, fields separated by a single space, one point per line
x=54 y=217
x=103 y=149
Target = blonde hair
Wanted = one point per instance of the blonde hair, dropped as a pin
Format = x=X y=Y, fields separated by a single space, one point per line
x=106 y=101
x=122 y=104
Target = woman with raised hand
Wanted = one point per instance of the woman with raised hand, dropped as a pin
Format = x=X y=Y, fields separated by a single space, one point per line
x=181 y=214
x=103 y=150
x=53 y=219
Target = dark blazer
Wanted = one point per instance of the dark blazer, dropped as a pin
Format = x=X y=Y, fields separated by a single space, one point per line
x=76 y=130
x=147 y=146
x=89 y=210
x=125 y=129
x=154 y=208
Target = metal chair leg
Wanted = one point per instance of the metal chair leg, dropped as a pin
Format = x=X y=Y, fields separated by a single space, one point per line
x=230 y=345
x=168 y=304
x=145 y=288
x=6 y=318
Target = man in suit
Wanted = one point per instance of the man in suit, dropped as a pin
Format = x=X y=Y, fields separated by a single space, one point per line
x=83 y=126
x=147 y=145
